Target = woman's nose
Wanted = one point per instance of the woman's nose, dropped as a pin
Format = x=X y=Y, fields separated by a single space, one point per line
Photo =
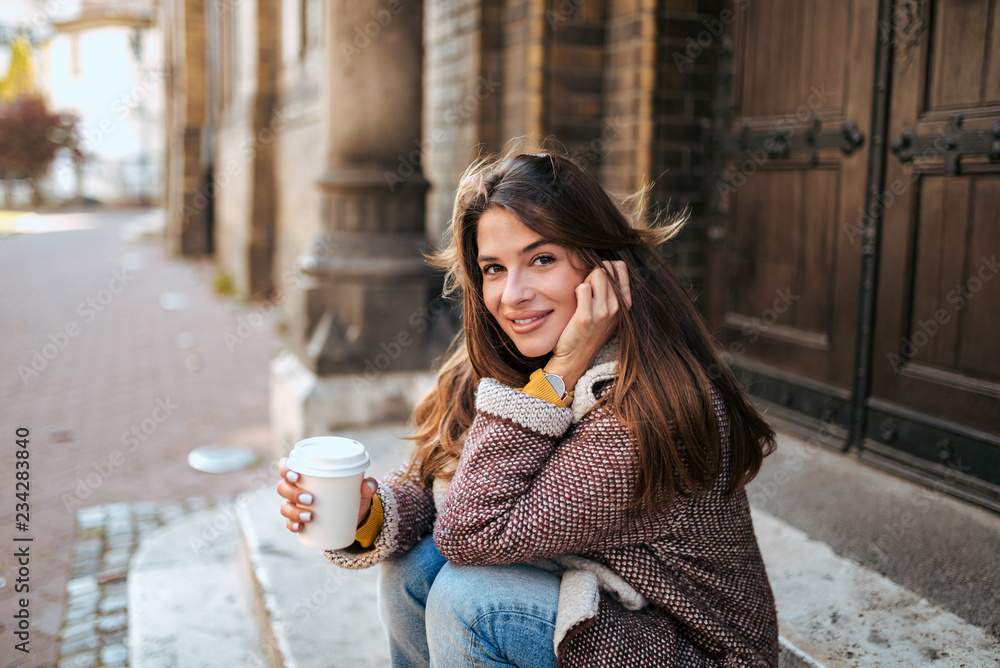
x=517 y=289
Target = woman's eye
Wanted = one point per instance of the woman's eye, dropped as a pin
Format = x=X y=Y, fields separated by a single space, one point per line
x=544 y=259
x=491 y=269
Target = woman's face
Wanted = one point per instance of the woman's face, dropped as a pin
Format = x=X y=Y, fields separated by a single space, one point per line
x=529 y=284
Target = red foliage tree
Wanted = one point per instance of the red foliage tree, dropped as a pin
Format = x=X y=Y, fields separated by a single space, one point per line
x=31 y=136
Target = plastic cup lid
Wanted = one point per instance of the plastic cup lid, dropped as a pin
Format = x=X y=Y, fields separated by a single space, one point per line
x=328 y=457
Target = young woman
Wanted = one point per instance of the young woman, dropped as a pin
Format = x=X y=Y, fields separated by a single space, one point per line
x=575 y=496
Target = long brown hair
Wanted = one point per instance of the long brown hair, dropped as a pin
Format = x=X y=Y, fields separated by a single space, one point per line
x=667 y=359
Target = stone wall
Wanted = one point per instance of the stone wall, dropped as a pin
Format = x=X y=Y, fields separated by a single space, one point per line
x=299 y=154
x=463 y=84
x=187 y=128
x=597 y=77
x=248 y=122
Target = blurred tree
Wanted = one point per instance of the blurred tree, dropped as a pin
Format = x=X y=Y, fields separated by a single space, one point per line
x=31 y=136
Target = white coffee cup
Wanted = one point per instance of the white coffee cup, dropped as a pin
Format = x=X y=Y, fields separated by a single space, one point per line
x=331 y=468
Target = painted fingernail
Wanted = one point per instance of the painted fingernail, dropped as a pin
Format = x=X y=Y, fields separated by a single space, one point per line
x=372 y=486
x=295 y=526
x=305 y=498
x=306 y=516
x=292 y=476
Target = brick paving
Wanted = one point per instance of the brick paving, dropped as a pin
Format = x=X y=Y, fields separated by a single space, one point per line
x=132 y=371
x=94 y=631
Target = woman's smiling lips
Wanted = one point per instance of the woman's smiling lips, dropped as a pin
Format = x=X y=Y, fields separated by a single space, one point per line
x=523 y=322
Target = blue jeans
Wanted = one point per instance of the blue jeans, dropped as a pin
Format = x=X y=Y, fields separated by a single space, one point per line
x=443 y=615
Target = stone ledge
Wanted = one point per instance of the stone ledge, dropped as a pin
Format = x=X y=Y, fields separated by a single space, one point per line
x=839 y=613
x=187 y=604
x=304 y=404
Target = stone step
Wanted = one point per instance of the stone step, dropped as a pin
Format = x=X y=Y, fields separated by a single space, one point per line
x=311 y=613
x=188 y=602
x=832 y=611
x=300 y=597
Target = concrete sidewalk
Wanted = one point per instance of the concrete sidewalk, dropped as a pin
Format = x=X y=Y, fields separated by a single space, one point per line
x=114 y=359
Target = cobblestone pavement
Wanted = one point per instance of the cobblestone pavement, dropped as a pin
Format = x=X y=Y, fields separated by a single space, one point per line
x=118 y=361
x=95 y=624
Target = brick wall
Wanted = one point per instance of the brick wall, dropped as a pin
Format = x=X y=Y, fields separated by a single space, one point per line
x=682 y=122
x=462 y=87
x=574 y=80
x=595 y=76
x=621 y=100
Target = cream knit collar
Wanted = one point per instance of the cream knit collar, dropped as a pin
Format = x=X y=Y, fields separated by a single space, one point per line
x=603 y=368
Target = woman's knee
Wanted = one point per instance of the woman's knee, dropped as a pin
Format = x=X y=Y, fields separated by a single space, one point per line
x=410 y=575
x=492 y=607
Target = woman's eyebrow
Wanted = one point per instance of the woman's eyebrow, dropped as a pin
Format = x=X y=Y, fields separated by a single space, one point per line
x=527 y=249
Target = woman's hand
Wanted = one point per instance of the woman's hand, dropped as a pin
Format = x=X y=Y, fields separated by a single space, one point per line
x=295 y=516
x=593 y=323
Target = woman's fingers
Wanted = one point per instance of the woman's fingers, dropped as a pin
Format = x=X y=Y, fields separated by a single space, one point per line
x=294 y=493
x=284 y=472
x=295 y=516
x=368 y=488
x=621 y=271
x=599 y=282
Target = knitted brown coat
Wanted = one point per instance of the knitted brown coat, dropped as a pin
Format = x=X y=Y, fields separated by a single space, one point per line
x=538 y=483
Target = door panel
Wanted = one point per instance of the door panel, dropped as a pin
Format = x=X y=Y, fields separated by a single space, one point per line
x=785 y=298
x=793 y=221
x=965 y=71
x=935 y=394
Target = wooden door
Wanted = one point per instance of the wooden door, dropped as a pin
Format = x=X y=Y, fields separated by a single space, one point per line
x=934 y=411
x=783 y=273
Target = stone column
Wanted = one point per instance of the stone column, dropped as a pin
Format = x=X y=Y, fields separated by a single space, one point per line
x=362 y=318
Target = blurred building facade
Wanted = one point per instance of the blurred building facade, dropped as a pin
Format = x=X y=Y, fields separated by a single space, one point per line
x=840 y=161
x=102 y=60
